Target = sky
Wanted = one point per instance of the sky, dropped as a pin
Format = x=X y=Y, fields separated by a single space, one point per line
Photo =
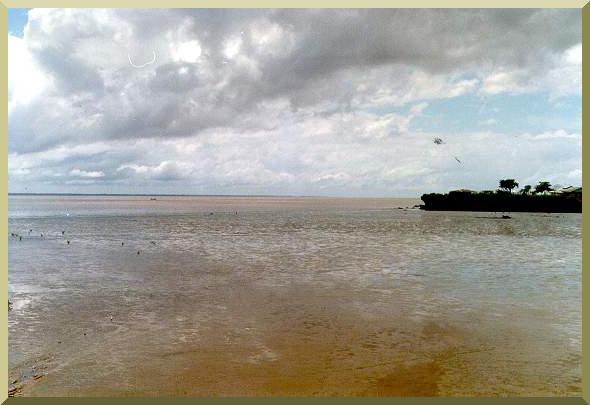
x=292 y=102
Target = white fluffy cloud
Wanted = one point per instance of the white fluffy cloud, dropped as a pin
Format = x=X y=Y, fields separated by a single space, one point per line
x=563 y=76
x=294 y=101
x=27 y=81
x=86 y=174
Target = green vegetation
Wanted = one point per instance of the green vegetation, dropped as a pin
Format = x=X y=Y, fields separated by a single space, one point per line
x=543 y=198
x=508 y=184
x=543 y=187
x=526 y=189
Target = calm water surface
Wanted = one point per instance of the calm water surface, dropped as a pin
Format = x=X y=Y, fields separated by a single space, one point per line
x=289 y=296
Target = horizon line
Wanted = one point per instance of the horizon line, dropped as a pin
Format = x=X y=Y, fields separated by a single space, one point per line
x=193 y=195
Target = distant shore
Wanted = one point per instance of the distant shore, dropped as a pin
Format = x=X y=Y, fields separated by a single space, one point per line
x=465 y=200
x=310 y=196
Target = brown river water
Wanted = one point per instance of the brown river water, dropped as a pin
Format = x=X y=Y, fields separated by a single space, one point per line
x=249 y=296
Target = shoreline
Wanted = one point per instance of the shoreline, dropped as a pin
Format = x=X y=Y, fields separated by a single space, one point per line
x=502 y=202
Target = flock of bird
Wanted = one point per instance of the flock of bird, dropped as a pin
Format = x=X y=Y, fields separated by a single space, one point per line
x=63 y=233
x=20 y=237
x=41 y=235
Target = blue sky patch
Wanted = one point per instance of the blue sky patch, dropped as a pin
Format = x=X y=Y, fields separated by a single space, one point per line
x=17 y=19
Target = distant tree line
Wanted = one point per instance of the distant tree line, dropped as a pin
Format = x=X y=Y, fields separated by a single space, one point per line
x=537 y=199
x=510 y=184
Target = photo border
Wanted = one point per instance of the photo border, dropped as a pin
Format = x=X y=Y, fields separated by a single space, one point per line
x=580 y=4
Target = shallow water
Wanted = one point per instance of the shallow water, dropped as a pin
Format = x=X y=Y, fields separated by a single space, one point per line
x=290 y=296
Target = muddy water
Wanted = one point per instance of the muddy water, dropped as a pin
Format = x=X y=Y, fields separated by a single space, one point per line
x=289 y=296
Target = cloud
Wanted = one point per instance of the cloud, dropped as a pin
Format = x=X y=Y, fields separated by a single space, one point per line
x=86 y=174
x=255 y=100
x=166 y=170
x=26 y=82
x=559 y=134
x=280 y=161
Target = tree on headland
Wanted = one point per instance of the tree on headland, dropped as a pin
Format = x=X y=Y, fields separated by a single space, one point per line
x=508 y=184
x=543 y=187
x=526 y=189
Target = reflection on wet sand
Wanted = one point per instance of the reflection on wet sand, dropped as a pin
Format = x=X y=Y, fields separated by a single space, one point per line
x=340 y=300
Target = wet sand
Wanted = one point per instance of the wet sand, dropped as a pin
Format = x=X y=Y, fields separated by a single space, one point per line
x=260 y=343
x=285 y=343
x=344 y=301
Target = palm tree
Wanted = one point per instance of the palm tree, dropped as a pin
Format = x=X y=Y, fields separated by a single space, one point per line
x=543 y=187
x=508 y=184
x=526 y=189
